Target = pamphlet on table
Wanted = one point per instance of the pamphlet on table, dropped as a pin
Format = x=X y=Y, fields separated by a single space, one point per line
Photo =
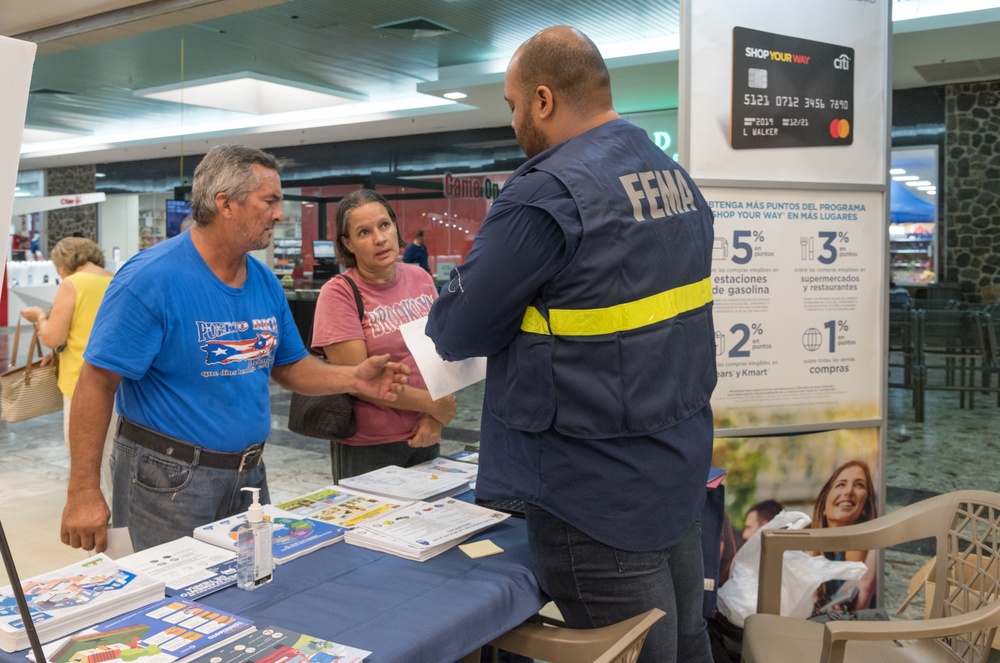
x=273 y=644
x=424 y=529
x=339 y=506
x=189 y=567
x=74 y=597
x=465 y=456
x=169 y=631
x=407 y=483
x=447 y=467
x=293 y=536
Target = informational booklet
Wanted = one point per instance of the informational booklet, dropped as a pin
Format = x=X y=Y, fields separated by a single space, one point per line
x=74 y=597
x=273 y=644
x=424 y=529
x=172 y=630
x=189 y=567
x=406 y=483
x=441 y=377
x=447 y=467
x=715 y=477
x=466 y=456
x=339 y=506
x=292 y=537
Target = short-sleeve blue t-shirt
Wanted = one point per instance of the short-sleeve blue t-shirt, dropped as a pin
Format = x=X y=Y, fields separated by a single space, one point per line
x=195 y=355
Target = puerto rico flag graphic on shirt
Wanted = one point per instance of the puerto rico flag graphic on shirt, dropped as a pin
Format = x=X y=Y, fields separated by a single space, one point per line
x=230 y=351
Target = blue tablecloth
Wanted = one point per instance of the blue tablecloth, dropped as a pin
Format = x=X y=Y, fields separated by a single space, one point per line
x=402 y=611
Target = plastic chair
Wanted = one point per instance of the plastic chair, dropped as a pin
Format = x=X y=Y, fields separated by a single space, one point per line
x=618 y=643
x=964 y=614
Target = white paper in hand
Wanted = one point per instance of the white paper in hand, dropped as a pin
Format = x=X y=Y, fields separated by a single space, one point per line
x=441 y=377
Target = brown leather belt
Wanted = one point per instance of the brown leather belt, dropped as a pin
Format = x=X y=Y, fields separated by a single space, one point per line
x=186 y=452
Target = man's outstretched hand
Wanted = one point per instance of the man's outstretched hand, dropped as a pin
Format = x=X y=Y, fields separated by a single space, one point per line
x=380 y=378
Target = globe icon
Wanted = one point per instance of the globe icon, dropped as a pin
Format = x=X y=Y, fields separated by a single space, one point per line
x=812 y=339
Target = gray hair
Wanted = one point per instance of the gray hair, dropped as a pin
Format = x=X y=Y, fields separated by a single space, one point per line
x=226 y=169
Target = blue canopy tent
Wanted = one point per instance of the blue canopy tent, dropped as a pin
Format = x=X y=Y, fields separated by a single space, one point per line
x=905 y=206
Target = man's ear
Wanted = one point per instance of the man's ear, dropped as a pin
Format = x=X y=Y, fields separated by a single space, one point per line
x=544 y=101
x=222 y=203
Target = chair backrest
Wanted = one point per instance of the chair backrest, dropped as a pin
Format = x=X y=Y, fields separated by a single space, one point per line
x=617 y=643
x=967 y=567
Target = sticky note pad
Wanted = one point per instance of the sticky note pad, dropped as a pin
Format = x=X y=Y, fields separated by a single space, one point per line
x=480 y=549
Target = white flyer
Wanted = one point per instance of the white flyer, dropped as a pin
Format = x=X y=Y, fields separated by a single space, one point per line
x=441 y=377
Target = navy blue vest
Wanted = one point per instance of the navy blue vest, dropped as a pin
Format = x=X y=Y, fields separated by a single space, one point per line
x=621 y=342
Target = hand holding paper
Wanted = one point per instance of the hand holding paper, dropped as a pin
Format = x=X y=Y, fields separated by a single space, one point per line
x=441 y=377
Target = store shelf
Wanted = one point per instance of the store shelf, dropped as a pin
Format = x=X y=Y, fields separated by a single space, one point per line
x=912 y=253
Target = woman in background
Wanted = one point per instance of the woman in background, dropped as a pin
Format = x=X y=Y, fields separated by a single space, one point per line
x=66 y=328
x=407 y=431
x=848 y=497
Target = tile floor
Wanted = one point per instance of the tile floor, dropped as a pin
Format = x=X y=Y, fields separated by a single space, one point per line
x=952 y=449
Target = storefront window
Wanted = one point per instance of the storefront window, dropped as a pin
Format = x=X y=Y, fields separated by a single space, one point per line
x=913 y=215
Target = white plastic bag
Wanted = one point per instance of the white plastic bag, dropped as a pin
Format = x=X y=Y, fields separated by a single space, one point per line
x=800 y=578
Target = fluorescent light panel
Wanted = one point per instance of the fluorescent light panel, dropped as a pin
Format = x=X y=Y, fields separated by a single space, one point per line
x=32 y=135
x=247 y=93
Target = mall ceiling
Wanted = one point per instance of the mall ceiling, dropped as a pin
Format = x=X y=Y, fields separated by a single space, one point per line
x=94 y=54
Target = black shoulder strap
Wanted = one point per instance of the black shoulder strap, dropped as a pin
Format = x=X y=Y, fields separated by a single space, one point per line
x=357 y=295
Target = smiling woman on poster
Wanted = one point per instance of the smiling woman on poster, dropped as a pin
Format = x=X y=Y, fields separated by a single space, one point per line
x=848 y=497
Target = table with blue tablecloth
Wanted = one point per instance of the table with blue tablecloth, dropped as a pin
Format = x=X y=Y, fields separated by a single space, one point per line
x=402 y=611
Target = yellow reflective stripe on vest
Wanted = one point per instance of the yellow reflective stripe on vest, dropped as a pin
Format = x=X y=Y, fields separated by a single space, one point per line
x=623 y=317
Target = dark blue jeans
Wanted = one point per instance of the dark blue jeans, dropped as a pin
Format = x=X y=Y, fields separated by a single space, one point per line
x=596 y=585
x=160 y=498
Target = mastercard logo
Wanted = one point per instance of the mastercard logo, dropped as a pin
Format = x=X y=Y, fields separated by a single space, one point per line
x=840 y=128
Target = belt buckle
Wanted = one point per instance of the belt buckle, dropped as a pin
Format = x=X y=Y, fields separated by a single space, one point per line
x=250 y=456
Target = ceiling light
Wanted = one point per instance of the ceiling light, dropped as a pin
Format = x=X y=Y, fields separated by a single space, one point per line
x=905 y=178
x=345 y=114
x=928 y=188
x=918 y=183
x=33 y=135
x=904 y=11
x=454 y=95
x=100 y=174
x=897 y=171
x=248 y=92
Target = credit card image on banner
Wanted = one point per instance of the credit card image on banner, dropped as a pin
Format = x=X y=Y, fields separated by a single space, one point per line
x=790 y=92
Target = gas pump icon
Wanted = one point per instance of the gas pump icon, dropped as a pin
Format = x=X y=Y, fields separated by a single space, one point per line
x=720 y=343
x=720 y=249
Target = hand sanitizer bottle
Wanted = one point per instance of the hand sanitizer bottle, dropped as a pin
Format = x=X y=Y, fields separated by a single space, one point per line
x=254 y=566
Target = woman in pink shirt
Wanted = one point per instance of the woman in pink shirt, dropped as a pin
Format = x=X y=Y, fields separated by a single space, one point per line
x=407 y=431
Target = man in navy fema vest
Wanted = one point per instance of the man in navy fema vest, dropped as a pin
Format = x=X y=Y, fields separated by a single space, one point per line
x=588 y=289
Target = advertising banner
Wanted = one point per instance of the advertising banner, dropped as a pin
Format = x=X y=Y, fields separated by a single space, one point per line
x=797 y=282
x=819 y=480
x=18 y=58
x=788 y=91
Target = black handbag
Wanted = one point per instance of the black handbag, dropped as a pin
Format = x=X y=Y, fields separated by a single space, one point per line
x=327 y=417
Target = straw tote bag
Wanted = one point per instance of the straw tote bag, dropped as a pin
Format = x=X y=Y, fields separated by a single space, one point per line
x=31 y=390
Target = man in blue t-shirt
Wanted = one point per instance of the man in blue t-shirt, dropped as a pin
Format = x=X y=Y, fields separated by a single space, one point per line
x=185 y=341
x=416 y=252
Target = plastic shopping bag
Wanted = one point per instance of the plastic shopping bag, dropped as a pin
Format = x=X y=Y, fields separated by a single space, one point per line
x=801 y=577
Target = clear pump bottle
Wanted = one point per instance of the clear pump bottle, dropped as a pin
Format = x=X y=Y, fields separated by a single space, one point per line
x=254 y=566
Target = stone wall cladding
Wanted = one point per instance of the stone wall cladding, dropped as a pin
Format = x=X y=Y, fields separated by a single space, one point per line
x=81 y=219
x=972 y=186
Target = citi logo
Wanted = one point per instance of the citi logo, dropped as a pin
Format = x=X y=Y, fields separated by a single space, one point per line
x=842 y=62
